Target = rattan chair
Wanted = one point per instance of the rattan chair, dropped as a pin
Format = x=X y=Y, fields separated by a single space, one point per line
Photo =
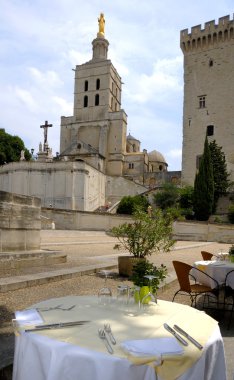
x=229 y=293
x=206 y=255
x=193 y=290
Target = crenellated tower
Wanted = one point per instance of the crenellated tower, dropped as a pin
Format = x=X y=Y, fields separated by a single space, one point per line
x=208 y=92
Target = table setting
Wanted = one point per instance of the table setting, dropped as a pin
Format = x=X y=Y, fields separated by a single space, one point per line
x=62 y=337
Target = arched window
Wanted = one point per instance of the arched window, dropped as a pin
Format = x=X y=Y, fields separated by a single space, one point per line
x=96 y=100
x=215 y=37
x=86 y=101
x=86 y=85
x=97 y=84
x=115 y=106
x=220 y=36
x=225 y=35
x=231 y=32
x=112 y=104
x=199 y=42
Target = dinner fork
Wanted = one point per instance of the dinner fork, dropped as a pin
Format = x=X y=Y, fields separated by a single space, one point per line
x=107 y=329
x=102 y=335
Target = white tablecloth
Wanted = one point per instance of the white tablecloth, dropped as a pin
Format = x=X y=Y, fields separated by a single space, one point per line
x=216 y=269
x=41 y=357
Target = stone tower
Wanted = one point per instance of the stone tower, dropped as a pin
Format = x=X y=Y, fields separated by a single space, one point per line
x=97 y=130
x=208 y=92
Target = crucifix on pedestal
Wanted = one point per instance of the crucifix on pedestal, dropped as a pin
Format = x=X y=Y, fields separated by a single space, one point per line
x=45 y=127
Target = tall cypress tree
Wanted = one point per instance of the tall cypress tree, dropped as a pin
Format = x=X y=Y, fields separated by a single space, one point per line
x=221 y=175
x=204 y=186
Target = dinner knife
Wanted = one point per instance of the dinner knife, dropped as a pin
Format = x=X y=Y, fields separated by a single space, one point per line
x=56 y=325
x=189 y=337
x=177 y=336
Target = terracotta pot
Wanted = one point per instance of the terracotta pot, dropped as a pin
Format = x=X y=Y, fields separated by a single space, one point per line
x=125 y=264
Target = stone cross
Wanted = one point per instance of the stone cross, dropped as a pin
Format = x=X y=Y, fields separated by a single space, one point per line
x=45 y=127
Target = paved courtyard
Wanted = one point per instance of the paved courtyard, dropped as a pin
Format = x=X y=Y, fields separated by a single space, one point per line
x=87 y=249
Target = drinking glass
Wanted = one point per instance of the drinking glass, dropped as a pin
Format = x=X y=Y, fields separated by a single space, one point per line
x=105 y=293
x=149 y=298
x=122 y=294
x=134 y=304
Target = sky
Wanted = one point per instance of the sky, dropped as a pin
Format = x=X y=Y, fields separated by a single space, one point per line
x=41 y=42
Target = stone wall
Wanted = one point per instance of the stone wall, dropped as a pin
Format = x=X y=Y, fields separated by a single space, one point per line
x=189 y=230
x=201 y=231
x=20 y=222
x=77 y=220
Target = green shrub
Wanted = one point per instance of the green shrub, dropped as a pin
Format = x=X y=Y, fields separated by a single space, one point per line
x=129 y=204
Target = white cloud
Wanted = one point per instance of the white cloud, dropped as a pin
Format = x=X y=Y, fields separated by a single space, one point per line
x=47 y=78
x=26 y=97
x=175 y=153
x=158 y=85
x=65 y=108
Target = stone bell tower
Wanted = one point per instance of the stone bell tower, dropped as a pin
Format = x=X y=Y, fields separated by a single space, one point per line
x=96 y=132
x=208 y=92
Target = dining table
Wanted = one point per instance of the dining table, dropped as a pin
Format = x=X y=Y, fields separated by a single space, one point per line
x=217 y=269
x=67 y=345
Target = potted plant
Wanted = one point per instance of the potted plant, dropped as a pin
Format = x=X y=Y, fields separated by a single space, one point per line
x=144 y=268
x=231 y=253
x=147 y=234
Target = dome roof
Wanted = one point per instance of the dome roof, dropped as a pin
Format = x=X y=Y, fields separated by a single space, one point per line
x=130 y=137
x=156 y=156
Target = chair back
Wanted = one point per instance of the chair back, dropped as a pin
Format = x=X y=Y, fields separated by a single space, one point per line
x=206 y=255
x=182 y=272
x=229 y=279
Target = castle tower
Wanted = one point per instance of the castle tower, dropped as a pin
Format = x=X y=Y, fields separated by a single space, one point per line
x=208 y=92
x=97 y=129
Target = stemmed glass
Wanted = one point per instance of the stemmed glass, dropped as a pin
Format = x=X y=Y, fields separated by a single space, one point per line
x=149 y=298
x=105 y=293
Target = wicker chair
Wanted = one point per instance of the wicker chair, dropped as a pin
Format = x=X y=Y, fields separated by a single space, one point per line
x=206 y=255
x=229 y=293
x=191 y=288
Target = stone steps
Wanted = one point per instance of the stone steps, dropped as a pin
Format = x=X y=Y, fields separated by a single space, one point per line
x=15 y=261
x=19 y=282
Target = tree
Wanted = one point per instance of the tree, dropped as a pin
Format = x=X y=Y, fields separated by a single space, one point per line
x=10 y=148
x=204 y=186
x=167 y=197
x=221 y=175
x=129 y=204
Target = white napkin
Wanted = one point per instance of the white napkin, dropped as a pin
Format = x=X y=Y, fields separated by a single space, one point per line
x=28 y=317
x=153 y=347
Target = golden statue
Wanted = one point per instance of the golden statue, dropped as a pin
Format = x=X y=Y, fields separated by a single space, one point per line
x=101 y=22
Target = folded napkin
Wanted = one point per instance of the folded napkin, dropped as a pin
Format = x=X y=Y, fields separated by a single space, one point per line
x=153 y=347
x=28 y=317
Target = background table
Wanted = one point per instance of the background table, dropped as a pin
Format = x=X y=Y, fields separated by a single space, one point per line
x=216 y=269
x=77 y=352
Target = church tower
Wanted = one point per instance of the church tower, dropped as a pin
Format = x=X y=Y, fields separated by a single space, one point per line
x=97 y=130
x=208 y=92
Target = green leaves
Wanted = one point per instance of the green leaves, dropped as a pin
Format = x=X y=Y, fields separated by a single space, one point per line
x=146 y=234
x=10 y=148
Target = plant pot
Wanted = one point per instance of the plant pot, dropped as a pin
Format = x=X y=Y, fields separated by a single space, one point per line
x=125 y=264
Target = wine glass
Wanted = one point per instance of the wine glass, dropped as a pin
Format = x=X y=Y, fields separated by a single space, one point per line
x=105 y=293
x=149 y=298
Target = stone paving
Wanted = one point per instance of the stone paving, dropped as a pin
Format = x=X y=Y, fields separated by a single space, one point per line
x=87 y=251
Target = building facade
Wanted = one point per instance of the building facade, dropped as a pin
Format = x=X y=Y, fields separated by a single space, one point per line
x=208 y=93
x=98 y=163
